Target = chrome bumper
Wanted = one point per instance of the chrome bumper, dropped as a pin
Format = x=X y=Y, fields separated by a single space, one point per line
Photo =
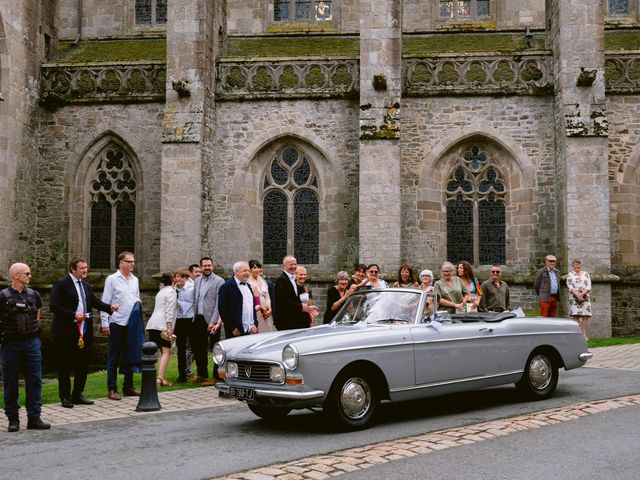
x=274 y=393
x=585 y=356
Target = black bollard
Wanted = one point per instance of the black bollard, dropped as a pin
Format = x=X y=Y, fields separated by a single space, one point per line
x=149 y=393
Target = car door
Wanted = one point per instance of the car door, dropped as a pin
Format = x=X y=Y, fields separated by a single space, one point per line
x=453 y=351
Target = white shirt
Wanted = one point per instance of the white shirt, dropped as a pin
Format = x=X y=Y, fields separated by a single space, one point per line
x=80 y=308
x=247 y=305
x=122 y=291
x=185 y=301
x=292 y=279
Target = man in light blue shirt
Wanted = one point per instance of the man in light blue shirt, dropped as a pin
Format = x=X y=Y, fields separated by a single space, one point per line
x=122 y=289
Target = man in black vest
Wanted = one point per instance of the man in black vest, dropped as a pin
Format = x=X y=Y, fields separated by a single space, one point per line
x=20 y=308
x=72 y=302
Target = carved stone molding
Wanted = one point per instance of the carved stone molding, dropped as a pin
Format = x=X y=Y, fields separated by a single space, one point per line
x=478 y=75
x=287 y=79
x=72 y=83
x=622 y=73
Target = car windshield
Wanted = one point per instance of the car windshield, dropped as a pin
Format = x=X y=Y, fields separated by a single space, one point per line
x=380 y=307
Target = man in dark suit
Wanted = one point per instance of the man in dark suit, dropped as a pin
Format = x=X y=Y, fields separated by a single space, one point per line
x=289 y=311
x=236 y=303
x=72 y=302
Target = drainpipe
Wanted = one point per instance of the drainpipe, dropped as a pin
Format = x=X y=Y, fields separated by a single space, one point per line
x=79 y=35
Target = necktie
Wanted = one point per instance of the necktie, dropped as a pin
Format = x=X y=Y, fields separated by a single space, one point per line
x=83 y=298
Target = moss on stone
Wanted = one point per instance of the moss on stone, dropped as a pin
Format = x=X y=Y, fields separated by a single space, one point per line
x=85 y=84
x=622 y=40
x=328 y=46
x=159 y=81
x=154 y=50
x=421 y=75
x=289 y=78
x=315 y=78
x=236 y=78
x=475 y=73
x=262 y=80
x=469 y=42
x=503 y=73
x=136 y=82
x=634 y=71
x=531 y=73
x=110 y=83
x=611 y=72
x=342 y=76
x=448 y=75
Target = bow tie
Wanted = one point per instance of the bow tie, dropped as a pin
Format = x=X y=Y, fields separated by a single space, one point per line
x=244 y=283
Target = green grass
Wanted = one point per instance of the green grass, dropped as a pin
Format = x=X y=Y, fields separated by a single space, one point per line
x=96 y=386
x=610 y=342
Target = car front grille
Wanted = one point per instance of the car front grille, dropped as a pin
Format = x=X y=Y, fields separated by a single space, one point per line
x=254 y=371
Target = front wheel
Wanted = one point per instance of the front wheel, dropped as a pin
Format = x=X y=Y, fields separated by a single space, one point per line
x=540 y=377
x=269 y=413
x=352 y=401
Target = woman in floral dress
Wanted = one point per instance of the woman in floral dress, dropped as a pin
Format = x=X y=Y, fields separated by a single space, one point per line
x=579 y=286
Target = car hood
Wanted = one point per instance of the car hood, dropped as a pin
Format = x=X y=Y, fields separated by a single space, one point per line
x=306 y=340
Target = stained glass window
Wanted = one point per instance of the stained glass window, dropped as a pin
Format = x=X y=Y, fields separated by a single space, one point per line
x=113 y=208
x=476 y=210
x=151 y=12
x=464 y=9
x=301 y=10
x=291 y=208
x=618 y=7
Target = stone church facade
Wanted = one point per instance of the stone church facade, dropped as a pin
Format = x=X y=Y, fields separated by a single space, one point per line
x=385 y=131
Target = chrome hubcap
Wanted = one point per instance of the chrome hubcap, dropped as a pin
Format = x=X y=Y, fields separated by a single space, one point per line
x=540 y=371
x=355 y=398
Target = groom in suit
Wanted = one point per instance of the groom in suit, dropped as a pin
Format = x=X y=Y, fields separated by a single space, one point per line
x=236 y=304
x=289 y=311
x=72 y=302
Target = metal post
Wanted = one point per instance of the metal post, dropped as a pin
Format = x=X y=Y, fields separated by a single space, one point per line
x=149 y=393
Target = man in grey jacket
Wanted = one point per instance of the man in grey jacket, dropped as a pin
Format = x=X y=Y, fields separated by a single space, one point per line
x=547 y=286
x=206 y=321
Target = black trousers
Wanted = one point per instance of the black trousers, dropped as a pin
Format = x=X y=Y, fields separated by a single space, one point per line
x=183 y=326
x=199 y=339
x=71 y=358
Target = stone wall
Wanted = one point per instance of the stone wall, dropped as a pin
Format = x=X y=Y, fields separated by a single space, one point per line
x=247 y=136
x=516 y=132
x=71 y=137
x=624 y=181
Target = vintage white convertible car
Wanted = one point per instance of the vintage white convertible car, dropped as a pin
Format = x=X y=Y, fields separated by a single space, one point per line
x=390 y=345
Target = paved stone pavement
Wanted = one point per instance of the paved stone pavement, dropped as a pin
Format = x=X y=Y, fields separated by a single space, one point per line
x=626 y=357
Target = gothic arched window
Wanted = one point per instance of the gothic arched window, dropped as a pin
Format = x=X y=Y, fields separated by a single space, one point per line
x=151 y=12
x=113 y=208
x=291 y=210
x=476 y=210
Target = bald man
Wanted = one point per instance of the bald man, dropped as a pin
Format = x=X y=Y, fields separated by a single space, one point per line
x=20 y=308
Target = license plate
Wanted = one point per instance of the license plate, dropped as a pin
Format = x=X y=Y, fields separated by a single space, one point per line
x=242 y=393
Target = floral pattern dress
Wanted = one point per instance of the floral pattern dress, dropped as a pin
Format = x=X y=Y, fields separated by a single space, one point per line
x=580 y=283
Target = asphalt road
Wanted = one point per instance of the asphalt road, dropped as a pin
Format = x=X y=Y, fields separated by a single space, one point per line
x=207 y=443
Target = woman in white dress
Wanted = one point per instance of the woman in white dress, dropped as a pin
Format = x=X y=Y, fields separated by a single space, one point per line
x=262 y=297
x=160 y=325
x=579 y=287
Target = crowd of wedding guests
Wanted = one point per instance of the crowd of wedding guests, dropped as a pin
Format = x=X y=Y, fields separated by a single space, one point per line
x=194 y=308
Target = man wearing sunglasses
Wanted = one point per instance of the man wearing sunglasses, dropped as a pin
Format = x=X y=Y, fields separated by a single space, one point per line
x=495 y=292
x=20 y=308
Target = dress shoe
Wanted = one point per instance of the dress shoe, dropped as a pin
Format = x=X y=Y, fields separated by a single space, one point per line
x=130 y=392
x=209 y=381
x=181 y=380
x=66 y=403
x=197 y=379
x=14 y=424
x=36 y=423
x=113 y=395
x=80 y=400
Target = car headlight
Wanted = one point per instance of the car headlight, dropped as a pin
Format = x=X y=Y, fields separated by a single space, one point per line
x=290 y=357
x=276 y=374
x=219 y=353
x=232 y=370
